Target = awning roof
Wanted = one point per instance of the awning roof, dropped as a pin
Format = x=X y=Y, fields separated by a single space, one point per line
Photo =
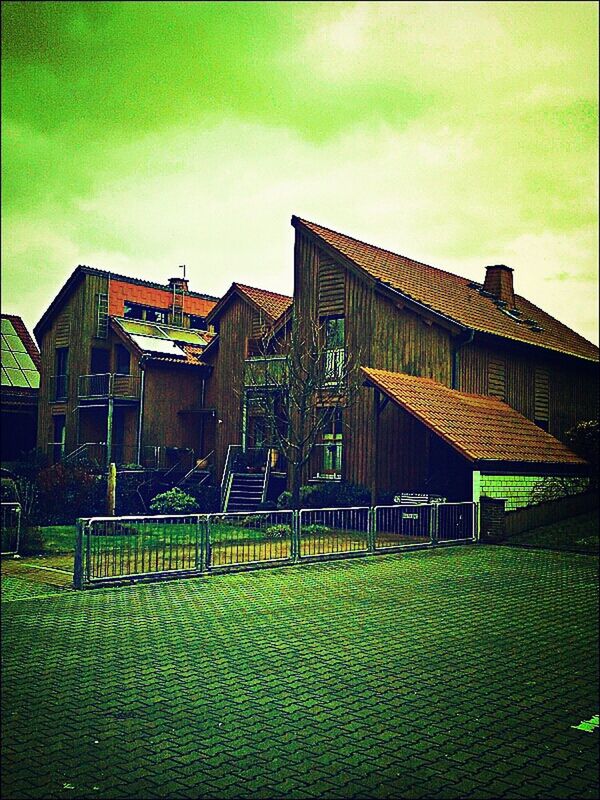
x=481 y=428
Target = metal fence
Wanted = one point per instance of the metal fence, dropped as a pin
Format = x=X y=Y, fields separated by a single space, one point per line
x=111 y=549
x=11 y=528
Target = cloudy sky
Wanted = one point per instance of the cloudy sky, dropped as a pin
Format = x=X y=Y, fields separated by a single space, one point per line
x=140 y=136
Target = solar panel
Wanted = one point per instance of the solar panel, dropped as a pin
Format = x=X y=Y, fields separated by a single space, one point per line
x=7 y=326
x=142 y=328
x=190 y=337
x=14 y=343
x=33 y=377
x=18 y=368
x=16 y=377
x=151 y=344
x=24 y=360
x=8 y=360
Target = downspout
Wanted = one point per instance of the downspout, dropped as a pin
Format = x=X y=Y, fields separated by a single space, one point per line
x=460 y=345
x=141 y=412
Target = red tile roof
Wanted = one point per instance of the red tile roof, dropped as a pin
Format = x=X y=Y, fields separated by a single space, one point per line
x=454 y=296
x=271 y=303
x=480 y=428
x=192 y=356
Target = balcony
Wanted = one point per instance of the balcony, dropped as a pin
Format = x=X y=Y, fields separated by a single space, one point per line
x=264 y=371
x=108 y=385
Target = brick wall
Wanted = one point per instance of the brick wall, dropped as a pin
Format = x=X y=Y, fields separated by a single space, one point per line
x=515 y=489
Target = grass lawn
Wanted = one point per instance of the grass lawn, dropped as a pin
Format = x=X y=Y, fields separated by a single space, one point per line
x=580 y=533
x=450 y=673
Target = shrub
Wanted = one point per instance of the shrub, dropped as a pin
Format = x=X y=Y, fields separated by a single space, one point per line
x=277 y=531
x=129 y=500
x=330 y=494
x=175 y=501
x=8 y=491
x=68 y=491
x=251 y=521
x=316 y=530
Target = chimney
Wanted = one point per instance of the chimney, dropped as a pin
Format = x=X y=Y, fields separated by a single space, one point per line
x=499 y=282
x=179 y=284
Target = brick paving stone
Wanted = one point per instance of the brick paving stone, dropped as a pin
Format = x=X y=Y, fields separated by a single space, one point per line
x=446 y=674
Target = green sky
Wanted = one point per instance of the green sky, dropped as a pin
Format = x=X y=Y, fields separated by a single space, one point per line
x=139 y=136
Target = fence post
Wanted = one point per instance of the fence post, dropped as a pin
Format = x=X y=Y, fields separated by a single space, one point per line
x=295 y=535
x=372 y=529
x=434 y=521
x=206 y=543
x=78 y=565
x=18 y=513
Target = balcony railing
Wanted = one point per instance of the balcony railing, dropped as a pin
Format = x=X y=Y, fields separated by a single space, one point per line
x=59 y=388
x=335 y=362
x=108 y=385
x=264 y=370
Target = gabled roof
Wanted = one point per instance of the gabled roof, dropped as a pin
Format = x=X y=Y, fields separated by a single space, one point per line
x=480 y=428
x=272 y=304
x=80 y=272
x=453 y=296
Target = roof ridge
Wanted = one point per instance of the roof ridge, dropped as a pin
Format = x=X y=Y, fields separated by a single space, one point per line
x=384 y=250
x=141 y=281
x=260 y=289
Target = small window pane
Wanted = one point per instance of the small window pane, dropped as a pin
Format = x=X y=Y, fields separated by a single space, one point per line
x=7 y=327
x=5 y=378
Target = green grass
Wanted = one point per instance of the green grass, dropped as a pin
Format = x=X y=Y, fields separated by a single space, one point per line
x=440 y=674
x=59 y=538
x=579 y=533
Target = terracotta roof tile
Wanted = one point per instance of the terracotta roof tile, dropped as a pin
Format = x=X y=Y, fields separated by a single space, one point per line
x=271 y=303
x=455 y=297
x=479 y=427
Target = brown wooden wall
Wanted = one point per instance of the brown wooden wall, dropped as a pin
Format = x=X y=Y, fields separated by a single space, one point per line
x=75 y=327
x=571 y=388
x=384 y=335
x=167 y=391
x=238 y=322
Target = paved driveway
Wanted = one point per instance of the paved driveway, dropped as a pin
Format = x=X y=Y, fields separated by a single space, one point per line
x=444 y=674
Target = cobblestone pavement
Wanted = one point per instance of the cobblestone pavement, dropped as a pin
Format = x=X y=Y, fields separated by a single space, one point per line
x=451 y=673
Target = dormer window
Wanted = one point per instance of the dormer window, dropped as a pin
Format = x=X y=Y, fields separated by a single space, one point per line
x=148 y=313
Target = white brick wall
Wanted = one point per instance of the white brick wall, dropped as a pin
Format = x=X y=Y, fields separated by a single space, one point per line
x=515 y=489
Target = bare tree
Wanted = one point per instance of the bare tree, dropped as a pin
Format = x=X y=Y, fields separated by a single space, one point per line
x=299 y=392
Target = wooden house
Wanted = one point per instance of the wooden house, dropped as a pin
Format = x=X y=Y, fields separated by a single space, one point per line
x=122 y=379
x=20 y=388
x=455 y=338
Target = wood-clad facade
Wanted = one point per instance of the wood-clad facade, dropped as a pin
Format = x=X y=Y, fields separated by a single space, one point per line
x=391 y=451
x=89 y=367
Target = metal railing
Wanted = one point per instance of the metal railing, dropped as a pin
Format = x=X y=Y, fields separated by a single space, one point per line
x=109 y=384
x=11 y=528
x=326 y=531
x=264 y=370
x=112 y=549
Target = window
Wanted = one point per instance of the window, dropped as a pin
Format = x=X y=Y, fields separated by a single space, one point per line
x=122 y=360
x=59 y=437
x=137 y=311
x=99 y=361
x=331 y=443
x=334 y=349
x=197 y=322
x=61 y=363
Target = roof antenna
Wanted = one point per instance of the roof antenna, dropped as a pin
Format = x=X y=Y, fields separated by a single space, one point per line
x=182 y=266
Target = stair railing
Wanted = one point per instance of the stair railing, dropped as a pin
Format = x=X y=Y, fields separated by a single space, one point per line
x=267 y=475
x=227 y=476
x=194 y=468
